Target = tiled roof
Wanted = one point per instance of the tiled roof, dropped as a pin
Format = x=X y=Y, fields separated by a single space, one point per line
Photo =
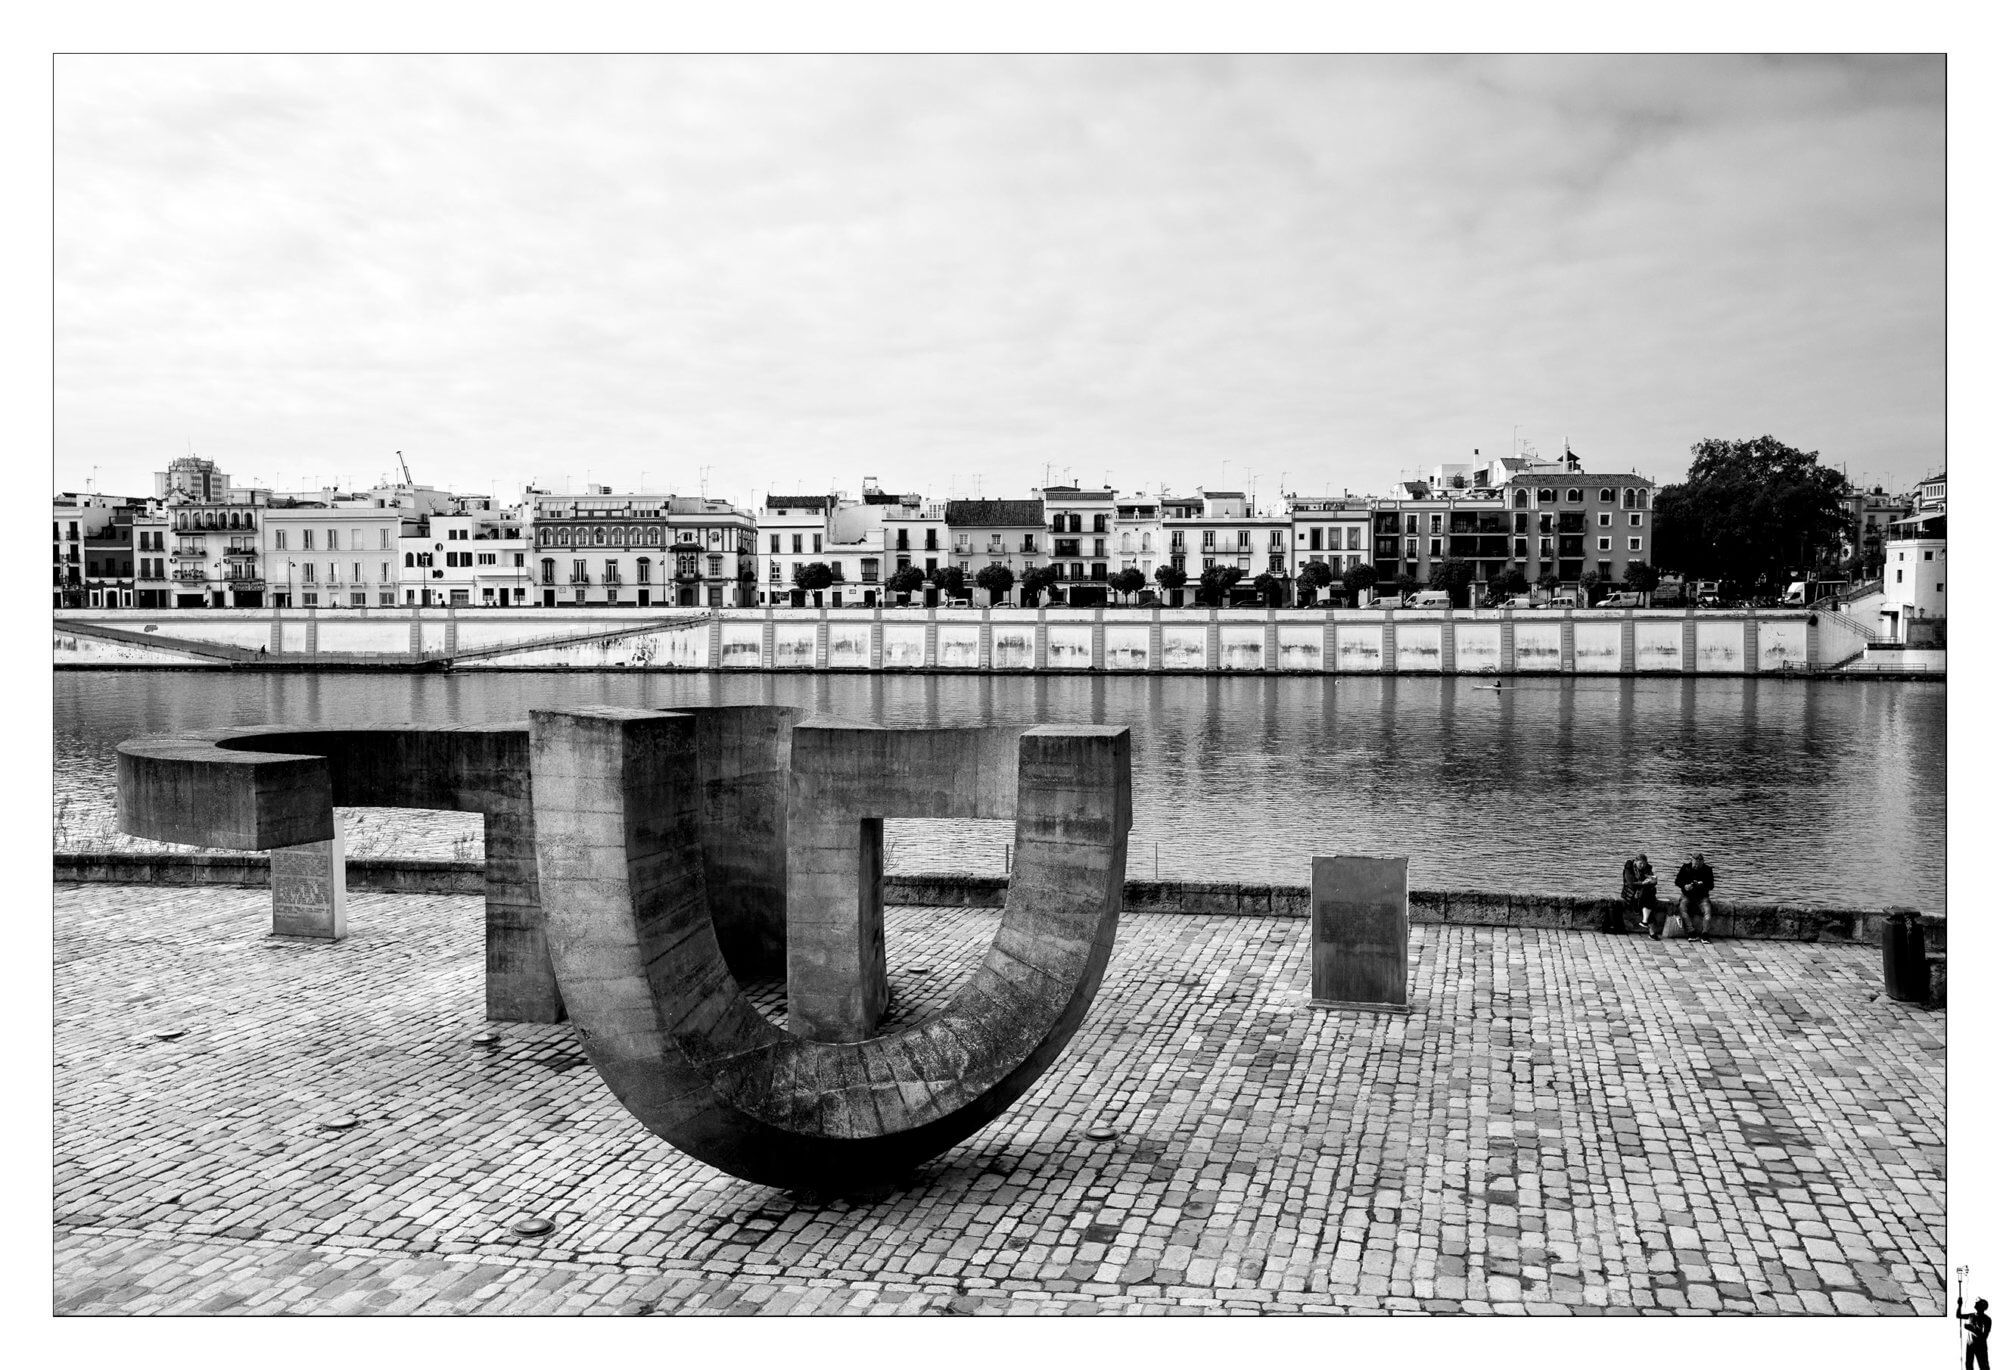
x=993 y=513
x=798 y=501
x=1068 y=492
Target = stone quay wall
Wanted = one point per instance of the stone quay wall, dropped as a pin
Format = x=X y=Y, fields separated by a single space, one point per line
x=1474 y=908
x=1248 y=641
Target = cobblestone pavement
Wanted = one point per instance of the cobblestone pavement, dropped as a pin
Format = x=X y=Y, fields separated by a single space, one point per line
x=1568 y=1123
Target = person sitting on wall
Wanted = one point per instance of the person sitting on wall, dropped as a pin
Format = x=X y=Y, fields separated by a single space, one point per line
x=1641 y=891
x=1696 y=879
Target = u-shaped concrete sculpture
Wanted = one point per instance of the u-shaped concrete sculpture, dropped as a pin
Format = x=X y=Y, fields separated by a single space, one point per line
x=649 y=872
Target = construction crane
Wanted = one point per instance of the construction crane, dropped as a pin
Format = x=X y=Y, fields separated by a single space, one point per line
x=408 y=479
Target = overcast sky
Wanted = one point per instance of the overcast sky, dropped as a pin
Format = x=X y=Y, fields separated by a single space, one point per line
x=955 y=274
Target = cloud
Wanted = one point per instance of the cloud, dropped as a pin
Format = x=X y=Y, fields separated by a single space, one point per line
x=801 y=270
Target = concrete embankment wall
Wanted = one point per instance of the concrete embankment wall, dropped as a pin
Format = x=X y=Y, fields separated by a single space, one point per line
x=1476 y=908
x=1058 y=640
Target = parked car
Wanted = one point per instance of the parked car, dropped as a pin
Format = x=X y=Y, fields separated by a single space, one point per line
x=1428 y=599
x=1563 y=599
x=1622 y=599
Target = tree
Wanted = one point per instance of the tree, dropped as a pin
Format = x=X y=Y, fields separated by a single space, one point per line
x=814 y=575
x=1128 y=582
x=1358 y=577
x=996 y=580
x=1037 y=581
x=950 y=583
x=1314 y=576
x=1512 y=581
x=1548 y=582
x=1170 y=576
x=1593 y=587
x=1217 y=582
x=1270 y=587
x=1750 y=512
x=1455 y=576
x=1406 y=585
x=1641 y=578
x=904 y=580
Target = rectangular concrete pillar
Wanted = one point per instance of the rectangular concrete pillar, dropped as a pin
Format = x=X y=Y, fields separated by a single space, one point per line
x=1569 y=642
x=768 y=651
x=1388 y=666
x=986 y=639
x=1328 y=662
x=1687 y=643
x=1361 y=933
x=1507 y=642
x=875 y=637
x=309 y=888
x=520 y=979
x=416 y=633
x=714 y=642
x=819 y=641
x=277 y=632
x=1041 y=653
x=1155 y=642
x=1212 y=652
x=450 y=631
x=312 y=631
x=1628 y=644
x=1270 y=639
x=1750 y=642
x=930 y=638
x=1447 y=646
x=1097 y=639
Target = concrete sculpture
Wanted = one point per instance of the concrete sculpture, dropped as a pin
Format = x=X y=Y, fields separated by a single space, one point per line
x=666 y=848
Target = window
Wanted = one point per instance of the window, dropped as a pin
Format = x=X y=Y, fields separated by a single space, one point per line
x=1520 y=499
x=775 y=549
x=1636 y=519
x=356 y=577
x=1313 y=542
x=333 y=539
x=309 y=599
x=1353 y=537
x=577 y=575
x=1927 y=556
x=1437 y=547
x=1607 y=496
x=714 y=567
x=306 y=539
x=1437 y=523
x=1545 y=495
x=1028 y=543
x=281 y=539
x=306 y=573
x=385 y=571
x=1632 y=544
x=1520 y=549
x=489 y=558
x=385 y=541
x=1243 y=539
x=1548 y=547
x=1410 y=549
x=1899 y=577
x=816 y=538
x=1208 y=539
x=1604 y=544
x=1573 y=495
x=1604 y=520
x=1642 y=499
x=610 y=572
x=1409 y=523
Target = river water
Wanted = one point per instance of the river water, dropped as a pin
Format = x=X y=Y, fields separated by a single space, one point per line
x=1818 y=792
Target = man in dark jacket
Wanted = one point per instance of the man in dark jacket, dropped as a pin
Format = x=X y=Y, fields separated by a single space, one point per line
x=1696 y=878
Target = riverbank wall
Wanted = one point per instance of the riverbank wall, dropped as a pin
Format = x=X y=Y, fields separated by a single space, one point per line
x=1669 y=642
x=1475 y=908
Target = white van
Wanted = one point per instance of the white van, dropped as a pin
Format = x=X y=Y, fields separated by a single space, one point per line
x=1563 y=599
x=1428 y=599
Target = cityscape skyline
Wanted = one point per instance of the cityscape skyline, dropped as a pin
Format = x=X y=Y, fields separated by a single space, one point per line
x=667 y=273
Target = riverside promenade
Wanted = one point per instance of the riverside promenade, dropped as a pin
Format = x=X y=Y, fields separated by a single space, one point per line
x=1566 y=1123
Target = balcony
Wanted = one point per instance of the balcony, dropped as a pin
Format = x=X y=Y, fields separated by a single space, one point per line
x=579 y=578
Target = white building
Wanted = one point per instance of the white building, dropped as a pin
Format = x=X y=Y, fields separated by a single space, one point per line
x=1913 y=571
x=344 y=555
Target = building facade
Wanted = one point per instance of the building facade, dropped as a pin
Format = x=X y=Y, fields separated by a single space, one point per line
x=344 y=555
x=1082 y=535
x=1913 y=575
x=997 y=532
x=604 y=549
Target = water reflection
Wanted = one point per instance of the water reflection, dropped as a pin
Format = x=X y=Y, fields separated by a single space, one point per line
x=1813 y=791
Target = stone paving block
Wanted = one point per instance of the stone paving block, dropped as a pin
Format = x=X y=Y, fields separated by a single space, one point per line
x=1508 y=1146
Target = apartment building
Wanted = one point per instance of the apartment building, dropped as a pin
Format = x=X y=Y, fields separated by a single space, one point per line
x=997 y=532
x=214 y=550
x=1218 y=528
x=345 y=554
x=1335 y=530
x=476 y=557
x=1913 y=574
x=1082 y=533
x=1141 y=534
x=603 y=549
x=77 y=520
x=1569 y=522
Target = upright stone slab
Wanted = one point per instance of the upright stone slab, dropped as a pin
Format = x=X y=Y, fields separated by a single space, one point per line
x=1361 y=933
x=309 y=888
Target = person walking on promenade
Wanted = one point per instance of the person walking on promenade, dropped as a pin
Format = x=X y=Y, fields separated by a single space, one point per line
x=1696 y=879
x=1641 y=891
x=1977 y=1325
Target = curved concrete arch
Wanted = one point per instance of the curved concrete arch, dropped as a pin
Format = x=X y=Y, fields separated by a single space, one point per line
x=669 y=1030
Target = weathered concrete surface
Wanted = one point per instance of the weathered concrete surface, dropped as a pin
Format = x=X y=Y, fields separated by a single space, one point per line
x=844 y=782
x=1361 y=933
x=744 y=753
x=1566 y=1123
x=309 y=888
x=617 y=810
